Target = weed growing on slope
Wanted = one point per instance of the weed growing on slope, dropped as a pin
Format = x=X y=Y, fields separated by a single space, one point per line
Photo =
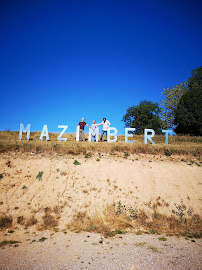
x=126 y=154
x=162 y=239
x=42 y=239
x=87 y=156
x=11 y=242
x=181 y=211
x=76 y=162
x=39 y=175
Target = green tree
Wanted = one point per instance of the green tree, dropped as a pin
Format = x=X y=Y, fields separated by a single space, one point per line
x=196 y=78
x=188 y=114
x=144 y=115
x=172 y=98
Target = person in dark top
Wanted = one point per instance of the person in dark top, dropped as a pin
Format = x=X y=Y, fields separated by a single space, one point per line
x=81 y=130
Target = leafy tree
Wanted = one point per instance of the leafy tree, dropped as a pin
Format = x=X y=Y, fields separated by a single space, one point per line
x=196 y=78
x=172 y=97
x=144 y=115
x=188 y=114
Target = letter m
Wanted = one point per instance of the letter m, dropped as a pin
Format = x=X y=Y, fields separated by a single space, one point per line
x=22 y=129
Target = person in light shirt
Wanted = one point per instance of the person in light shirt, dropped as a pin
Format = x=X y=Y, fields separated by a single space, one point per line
x=106 y=124
x=93 y=127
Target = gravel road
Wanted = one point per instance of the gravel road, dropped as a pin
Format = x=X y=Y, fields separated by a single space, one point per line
x=91 y=251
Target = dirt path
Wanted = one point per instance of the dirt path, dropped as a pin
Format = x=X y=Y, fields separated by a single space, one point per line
x=89 y=251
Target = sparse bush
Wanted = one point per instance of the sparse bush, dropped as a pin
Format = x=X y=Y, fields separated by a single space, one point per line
x=181 y=212
x=49 y=222
x=76 y=162
x=126 y=155
x=31 y=221
x=24 y=187
x=129 y=211
x=1 y=176
x=20 y=220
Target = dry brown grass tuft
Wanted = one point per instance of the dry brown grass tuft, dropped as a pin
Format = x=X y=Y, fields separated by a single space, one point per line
x=57 y=209
x=20 y=220
x=105 y=222
x=191 y=227
x=5 y=221
x=31 y=221
x=49 y=222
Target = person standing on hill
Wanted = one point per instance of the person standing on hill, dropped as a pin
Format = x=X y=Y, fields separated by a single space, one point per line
x=81 y=130
x=94 y=126
x=106 y=124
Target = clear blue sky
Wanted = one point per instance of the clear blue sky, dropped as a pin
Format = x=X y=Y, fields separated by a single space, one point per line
x=63 y=60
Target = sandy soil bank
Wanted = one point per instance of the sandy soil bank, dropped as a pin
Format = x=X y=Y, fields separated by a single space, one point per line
x=32 y=185
x=97 y=181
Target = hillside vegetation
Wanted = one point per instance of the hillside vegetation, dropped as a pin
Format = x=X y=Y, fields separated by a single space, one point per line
x=178 y=145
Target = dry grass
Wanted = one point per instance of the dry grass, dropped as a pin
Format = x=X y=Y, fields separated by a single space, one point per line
x=31 y=221
x=5 y=221
x=49 y=222
x=190 y=227
x=105 y=222
x=6 y=242
x=110 y=222
x=181 y=145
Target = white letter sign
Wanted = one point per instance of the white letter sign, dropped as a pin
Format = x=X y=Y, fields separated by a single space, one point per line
x=147 y=136
x=44 y=133
x=62 y=132
x=93 y=133
x=22 y=129
x=127 y=135
x=166 y=134
x=112 y=134
x=77 y=133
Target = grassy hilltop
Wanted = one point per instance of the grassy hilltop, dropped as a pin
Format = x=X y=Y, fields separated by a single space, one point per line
x=179 y=145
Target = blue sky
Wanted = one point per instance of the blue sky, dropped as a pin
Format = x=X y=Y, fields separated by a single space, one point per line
x=63 y=60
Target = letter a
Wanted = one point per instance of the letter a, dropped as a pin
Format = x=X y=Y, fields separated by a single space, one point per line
x=44 y=133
